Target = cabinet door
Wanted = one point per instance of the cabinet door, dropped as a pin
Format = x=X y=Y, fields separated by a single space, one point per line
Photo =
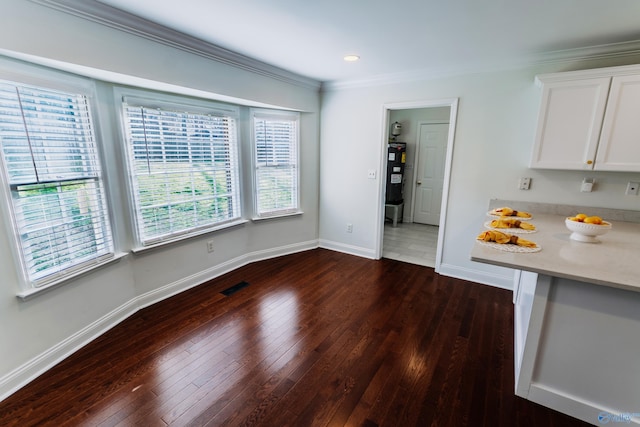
x=619 y=148
x=569 y=123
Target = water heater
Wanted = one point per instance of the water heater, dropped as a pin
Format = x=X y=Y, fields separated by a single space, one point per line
x=396 y=159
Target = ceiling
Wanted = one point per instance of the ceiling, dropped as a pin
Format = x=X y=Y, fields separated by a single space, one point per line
x=310 y=38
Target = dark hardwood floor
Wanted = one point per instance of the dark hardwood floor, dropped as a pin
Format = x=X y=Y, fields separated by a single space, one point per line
x=318 y=338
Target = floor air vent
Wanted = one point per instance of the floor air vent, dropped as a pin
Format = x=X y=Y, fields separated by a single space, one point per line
x=235 y=288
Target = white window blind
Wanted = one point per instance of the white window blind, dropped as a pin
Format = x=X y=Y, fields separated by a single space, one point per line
x=184 y=170
x=52 y=167
x=275 y=138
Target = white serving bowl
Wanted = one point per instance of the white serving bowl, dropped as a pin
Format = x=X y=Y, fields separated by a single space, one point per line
x=585 y=232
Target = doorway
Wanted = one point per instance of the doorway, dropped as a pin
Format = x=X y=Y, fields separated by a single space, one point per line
x=427 y=172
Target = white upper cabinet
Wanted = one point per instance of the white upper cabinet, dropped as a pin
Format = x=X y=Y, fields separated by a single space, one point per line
x=619 y=148
x=589 y=120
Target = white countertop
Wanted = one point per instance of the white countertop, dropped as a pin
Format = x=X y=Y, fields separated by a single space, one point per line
x=614 y=261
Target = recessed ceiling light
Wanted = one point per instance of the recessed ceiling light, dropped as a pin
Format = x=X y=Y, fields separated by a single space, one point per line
x=351 y=58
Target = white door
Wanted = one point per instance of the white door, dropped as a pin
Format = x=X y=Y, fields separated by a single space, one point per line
x=431 y=153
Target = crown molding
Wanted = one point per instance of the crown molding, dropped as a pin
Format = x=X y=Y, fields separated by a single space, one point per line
x=605 y=51
x=117 y=19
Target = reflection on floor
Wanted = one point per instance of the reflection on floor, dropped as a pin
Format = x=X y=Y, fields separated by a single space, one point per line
x=410 y=242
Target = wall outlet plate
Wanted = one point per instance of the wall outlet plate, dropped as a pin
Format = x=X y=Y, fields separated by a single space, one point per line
x=524 y=183
x=587 y=185
x=632 y=188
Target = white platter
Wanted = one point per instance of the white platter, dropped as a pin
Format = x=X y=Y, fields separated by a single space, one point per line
x=509 y=230
x=508 y=247
x=492 y=215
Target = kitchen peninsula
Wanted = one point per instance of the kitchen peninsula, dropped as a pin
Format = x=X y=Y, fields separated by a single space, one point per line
x=577 y=313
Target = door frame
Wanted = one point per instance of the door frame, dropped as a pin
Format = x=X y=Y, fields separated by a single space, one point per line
x=417 y=156
x=452 y=103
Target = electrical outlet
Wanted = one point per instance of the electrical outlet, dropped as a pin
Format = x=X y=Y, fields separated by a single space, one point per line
x=524 y=184
x=632 y=189
x=371 y=174
x=210 y=246
x=587 y=185
x=349 y=228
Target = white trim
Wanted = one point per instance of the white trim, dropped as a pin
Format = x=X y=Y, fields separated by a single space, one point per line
x=124 y=79
x=481 y=277
x=16 y=70
x=278 y=215
x=203 y=276
x=594 y=73
x=532 y=342
x=525 y=380
x=21 y=376
x=347 y=249
x=452 y=103
x=270 y=114
x=27 y=372
x=29 y=293
x=606 y=51
x=117 y=19
x=178 y=103
x=164 y=243
x=574 y=406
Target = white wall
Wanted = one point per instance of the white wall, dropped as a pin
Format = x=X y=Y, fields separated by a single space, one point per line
x=497 y=114
x=36 y=333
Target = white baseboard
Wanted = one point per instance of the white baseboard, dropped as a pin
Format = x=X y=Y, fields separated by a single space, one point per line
x=181 y=285
x=497 y=280
x=347 y=249
x=26 y=373
x=18 y=378
x=574 y=406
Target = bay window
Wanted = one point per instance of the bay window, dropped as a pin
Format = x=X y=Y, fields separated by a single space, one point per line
x=275 y=147
x=183 y=166
x=52 y=175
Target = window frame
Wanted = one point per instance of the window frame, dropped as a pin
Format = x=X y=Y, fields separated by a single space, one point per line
x=20 y=73
x=173 y=102
x=272 y=114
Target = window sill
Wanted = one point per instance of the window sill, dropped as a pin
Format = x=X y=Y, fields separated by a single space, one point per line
x=32 y=292
x=280 y=215
x=142 y=249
